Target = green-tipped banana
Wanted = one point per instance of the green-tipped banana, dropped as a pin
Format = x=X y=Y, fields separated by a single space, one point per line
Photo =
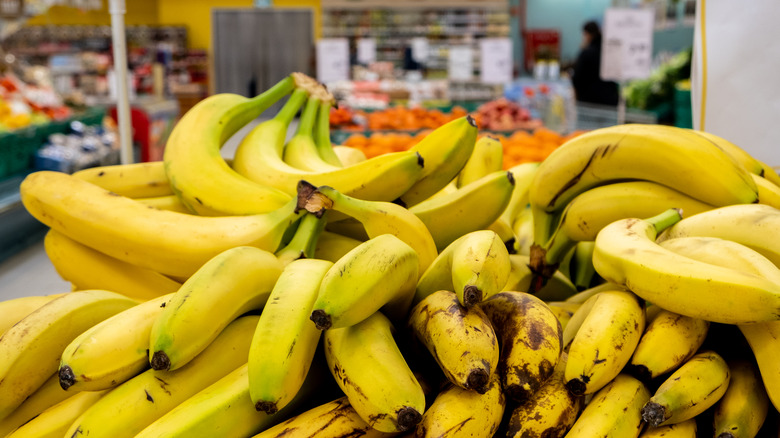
x=232 y=283
x=301 y=151
x=304 y=241
x=322 y=136
x=486 y=158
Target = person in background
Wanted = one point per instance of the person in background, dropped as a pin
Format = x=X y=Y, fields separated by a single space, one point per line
x=587 y=82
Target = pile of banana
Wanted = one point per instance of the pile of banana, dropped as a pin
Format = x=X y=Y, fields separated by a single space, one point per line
x=627 y=286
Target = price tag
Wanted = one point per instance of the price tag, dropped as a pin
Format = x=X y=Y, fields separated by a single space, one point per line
x=420 y=50
x=495 y=66
x=627 y=44
x=366 y=50
x=461 y=63
x=332 y=59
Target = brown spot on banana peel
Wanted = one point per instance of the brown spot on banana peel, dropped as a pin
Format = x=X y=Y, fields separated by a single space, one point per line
x=67 y=377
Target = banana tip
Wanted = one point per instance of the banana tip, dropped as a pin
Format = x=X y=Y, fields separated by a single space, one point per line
x=478 y=380
x=726 y=435
x=471 y=120
x=160 y=361
x=67 y=378
x=576 y=387
x=408 y=418
x=267 y=407
x=471 y=295
x=321 y=319
x=654 y=414
x=518 y=393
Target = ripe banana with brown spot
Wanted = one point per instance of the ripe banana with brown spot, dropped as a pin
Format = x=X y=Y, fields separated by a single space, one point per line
x=136 y=180
x=686 y=429
x=13 y=310
x=741 y=411
x=48 y=395
x=614 y=412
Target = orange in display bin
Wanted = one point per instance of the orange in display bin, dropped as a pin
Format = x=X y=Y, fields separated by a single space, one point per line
x=152 y=124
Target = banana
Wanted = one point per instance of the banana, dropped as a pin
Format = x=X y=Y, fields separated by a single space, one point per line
x=136 y=180
x=13 y=310
x=322 y=136
x=259 y=158
x=579 y=316
x=473 y=207
x=581 y=297
x=301 y=151
x=349 y=156
x=169 y=203
x=563 y=311
x=689 y=391
x=741 y=411
x=48 y=395
x=53 y=422
x=285 y=341
x=232 y=283
x=445 y=151
x=199 y=176
x=626 y=253
x=523 y=175
x=30 y=350
x=304 y=241
x=523 y=227
x=458 y=412
x=367 y=365
x=614 y=412
x=581 y=269
x=740 y=155
x=604 y=342
x=550 y=412
x=376 y=217
x=520 y=275
x=768 y=193
x=137 y=403
x=669 y=341
x=337 y=418
x=598 y=207
x=91 y=269
x=461 y=340
x=770 y=174
x=530 y=341
x=112 y=351
x=745 y=224
x=486 y=158
x=475 y=266
x=170 y=243
x=505 y=232
x=686 y=429
x=379 y=273
x=332 y=246
x=764 y=340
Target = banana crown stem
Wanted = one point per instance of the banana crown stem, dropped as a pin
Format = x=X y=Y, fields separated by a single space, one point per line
x=306 y=124
x=291 y=107
x=665 y=219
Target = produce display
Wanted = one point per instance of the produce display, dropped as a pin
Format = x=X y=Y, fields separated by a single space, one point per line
x=625 y=286
x=22 y=104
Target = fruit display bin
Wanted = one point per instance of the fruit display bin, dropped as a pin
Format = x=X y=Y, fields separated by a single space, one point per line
x=18 y=147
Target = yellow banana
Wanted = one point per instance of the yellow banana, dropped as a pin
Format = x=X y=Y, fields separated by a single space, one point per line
x=581 y=297
x=614 y=412
x=550 y=412
x=742 y=410
x=199 y=176
x=379 y=273
x=367 y=365
x=170 y=243
x=689 y=391
x=137 y=403
x=376 y=217
x=304 y=242
x=301 y=152
x=475 y=266
x=764 y=340
x=669 y=341
x=770 y=173
x=112 y=351
x=686 y=429
x=136 y=180
x=530 y=341
x=523 y=175
x=91 y=269
x=445 y=151
x=13 y=310
x=459 y=412
x=768 y=193
x=520 y=276
x=724 y=253
x=48 y=395
x=505 y=232
x=563 y=311
x=666 y=155
x=579 y=316
x=740 y=155
x=322 y=135
x=473 y=207
x=232 y=283
x=604 y=342
x=461 y=340
x=54 y=422
x=169 y=203
x=626 y=253
x=746 y=224
x=337 y=418
x=30 y=350
x=598 y=207
x=285 y=340
x=332 y=246
x=486 y=158
x=523 y=226
x=349 y=156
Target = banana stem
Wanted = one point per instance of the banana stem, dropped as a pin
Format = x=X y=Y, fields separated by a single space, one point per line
x=305 y=239
x=275 y=93
x=665 y=219
x=322 y=135
x=306 y=124
x=291 y=107
x=251 y=109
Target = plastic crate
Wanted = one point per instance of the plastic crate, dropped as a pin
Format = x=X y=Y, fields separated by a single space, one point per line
x=683 y=113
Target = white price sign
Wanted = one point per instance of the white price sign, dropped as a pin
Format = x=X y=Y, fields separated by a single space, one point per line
x=495 y=66
x=366 y=50
x=461 y=63
x=627 y=44
x=420 y=50
x=332 y=59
